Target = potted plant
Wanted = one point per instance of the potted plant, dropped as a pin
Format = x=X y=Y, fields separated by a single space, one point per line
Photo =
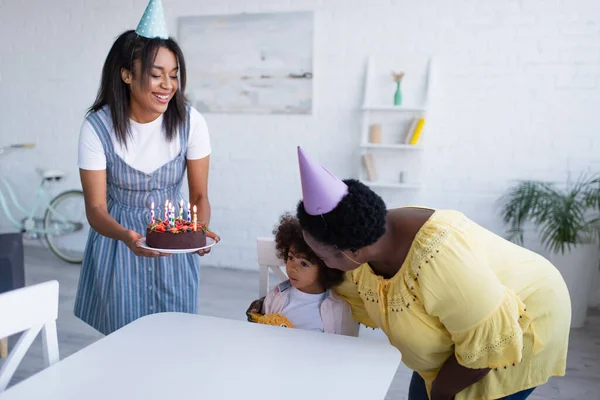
x=566 y=220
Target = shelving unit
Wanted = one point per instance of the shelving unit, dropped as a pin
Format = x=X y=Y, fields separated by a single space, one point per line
x=372 y=107
x=392 y=146
x=394 y=108
x=391 y=185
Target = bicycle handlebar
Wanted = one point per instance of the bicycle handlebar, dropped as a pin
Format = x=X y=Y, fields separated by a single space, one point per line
x=6 y=149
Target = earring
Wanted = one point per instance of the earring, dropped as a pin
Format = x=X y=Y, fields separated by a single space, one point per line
x=351 y=259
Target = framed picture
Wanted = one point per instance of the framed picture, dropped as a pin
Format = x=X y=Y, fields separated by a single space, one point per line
x=249 y=63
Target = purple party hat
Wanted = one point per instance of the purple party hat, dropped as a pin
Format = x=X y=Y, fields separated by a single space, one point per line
x=321 y=190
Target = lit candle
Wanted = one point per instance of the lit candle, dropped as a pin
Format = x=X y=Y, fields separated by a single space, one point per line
x=180 y=209
x=195 y=220
x=166 y=211
x=189 y=214
x=172 y=216
x=152 y=212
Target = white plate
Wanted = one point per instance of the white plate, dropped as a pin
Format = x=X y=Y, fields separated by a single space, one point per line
x=210 y=242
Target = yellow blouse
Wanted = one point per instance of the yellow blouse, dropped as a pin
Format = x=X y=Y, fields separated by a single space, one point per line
x=464 y=290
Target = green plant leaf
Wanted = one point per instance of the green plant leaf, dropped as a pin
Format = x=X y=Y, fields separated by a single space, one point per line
x=561 y=216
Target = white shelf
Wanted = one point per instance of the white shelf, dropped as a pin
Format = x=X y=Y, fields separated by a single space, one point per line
x=395 y=109
x=391 y=185
x=384 y=146
x=375 y=108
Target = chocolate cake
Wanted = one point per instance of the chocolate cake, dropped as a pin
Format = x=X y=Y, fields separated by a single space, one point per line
x=161 y=235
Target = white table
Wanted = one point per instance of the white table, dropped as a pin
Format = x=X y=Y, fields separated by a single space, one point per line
x=182 y=356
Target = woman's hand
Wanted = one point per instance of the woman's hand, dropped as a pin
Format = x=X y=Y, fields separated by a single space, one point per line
x=210 y=235
x=437 y=396
x=132 y=240
x=255 y=307
x=453 y=378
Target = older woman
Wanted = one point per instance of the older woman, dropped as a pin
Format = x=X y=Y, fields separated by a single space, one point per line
x=474 y=316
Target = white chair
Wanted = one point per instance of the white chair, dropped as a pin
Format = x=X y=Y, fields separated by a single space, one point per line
x=267 y=260
x=29 y=310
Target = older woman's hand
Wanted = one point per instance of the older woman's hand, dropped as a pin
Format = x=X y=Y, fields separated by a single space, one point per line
x=453 y=378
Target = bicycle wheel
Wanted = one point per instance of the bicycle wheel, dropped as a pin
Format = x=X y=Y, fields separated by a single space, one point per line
x=66 y=226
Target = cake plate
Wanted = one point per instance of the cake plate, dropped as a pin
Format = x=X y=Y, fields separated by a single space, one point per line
x=210 y=242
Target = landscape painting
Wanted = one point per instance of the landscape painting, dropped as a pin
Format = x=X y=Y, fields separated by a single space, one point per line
x=249 y=63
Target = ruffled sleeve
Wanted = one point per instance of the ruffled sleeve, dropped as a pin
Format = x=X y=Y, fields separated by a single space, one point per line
x=483 y=317
x=348 y=290
x=496 y=341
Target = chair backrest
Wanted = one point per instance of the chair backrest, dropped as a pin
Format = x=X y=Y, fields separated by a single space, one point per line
x=266 y=253
x=29 y=310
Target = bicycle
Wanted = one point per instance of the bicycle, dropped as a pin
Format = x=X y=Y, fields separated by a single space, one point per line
x=64 y=215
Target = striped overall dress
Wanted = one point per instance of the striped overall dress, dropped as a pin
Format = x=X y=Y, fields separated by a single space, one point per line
x=115 y=286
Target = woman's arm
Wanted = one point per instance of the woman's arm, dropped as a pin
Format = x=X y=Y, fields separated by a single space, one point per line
x=453 y=378
x=94 y=193
x=198 y=187
x=482 y=316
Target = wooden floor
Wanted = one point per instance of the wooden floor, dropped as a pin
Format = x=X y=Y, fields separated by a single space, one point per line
x=227 y=293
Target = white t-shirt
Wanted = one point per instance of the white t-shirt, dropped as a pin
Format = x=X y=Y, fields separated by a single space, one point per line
x=147 y=147
x=304 y=309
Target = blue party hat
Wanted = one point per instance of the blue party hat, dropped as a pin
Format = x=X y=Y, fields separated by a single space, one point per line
x=153 y=22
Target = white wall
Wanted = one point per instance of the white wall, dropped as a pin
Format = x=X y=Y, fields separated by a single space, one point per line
x=517 y=97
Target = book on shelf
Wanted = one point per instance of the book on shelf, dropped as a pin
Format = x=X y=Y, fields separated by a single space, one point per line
x=369 y=166
x=414 y=132
x=410 y=130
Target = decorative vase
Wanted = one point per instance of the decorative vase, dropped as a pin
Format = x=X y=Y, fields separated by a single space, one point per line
x=398 y=95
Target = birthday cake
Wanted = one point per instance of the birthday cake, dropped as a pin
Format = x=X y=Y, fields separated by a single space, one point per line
x=163 y=235
x=176 y=233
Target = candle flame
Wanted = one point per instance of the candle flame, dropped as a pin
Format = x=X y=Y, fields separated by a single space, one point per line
x=195 y=209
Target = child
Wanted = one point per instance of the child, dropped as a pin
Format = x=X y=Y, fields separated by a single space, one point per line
x=305 y=298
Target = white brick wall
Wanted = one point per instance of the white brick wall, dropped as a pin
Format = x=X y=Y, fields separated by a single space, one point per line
x=517 y=97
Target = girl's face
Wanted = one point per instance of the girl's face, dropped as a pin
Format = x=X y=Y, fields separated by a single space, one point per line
x=163 y=82
x=303 y=274
x=332 y=256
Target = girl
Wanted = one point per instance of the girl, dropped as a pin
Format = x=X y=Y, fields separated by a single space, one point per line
x=305 y=298
x=135 y=145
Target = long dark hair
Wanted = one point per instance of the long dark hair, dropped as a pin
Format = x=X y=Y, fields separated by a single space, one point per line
x=113 y=92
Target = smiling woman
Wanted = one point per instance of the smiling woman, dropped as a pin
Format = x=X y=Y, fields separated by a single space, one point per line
x=135 y=145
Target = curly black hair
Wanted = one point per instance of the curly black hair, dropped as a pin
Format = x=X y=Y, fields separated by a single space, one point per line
x=357 y=221
x=289 y=234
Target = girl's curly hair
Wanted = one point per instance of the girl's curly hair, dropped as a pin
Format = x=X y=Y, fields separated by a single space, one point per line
x=289 y=234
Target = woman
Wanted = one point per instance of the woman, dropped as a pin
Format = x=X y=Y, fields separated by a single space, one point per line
x=135 y=145
x=475 y=316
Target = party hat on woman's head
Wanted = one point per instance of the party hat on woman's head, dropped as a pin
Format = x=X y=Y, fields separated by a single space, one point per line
x=321 y=190
x=153 y=23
